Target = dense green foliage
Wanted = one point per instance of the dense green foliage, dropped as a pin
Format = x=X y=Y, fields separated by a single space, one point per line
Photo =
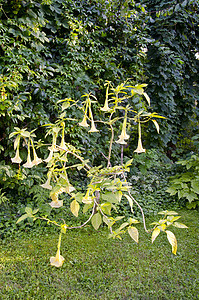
x=53 y=49
x=92 y=271
x=186 y=184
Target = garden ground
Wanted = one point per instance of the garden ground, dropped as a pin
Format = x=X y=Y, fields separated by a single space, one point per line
x=99 y=268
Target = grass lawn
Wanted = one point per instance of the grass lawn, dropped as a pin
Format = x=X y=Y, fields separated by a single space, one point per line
x=98 y=268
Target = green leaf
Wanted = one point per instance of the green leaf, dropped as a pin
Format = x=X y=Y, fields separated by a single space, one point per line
x=133 y=232
x=191 y=196
x=28 y=210
x=112 y=197
x=23 y=217
x=96 y=221
x=172 y=191
x=74 y=207
x=106 y=207
x=123 y=225
x=35 y=211
x=195 y=186
x=87 y=207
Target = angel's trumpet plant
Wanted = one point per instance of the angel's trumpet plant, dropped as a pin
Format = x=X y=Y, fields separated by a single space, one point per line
x=84 y=122
x=139 y=149
x=36 y=160
x=56 y=203
x=63 y=144
x=106 y=108
x=93 y=128
x=17 y=159
x=123 y=136
x=57 y=260
x=29 y=163
x=47 y=185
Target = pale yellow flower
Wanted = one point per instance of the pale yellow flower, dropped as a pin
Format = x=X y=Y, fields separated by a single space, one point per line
x=47 y=185
x=63 y=144
x=36 y=159
x=105 y=107
x=87 y=199
x=121 y=141
x=140 y=149
x=84 y=122
x=93 y=128
x=50 y=156
x=29 y=163
x=123 y=136
x=17 y=158
x=56 y=203
x=57 y=260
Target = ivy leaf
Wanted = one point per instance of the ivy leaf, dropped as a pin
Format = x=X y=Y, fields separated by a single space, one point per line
x=172 y=240
x=133 y=232
x=96 y=221
x=74 y=207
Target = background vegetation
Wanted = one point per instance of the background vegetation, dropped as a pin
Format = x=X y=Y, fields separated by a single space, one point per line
x=53 y=49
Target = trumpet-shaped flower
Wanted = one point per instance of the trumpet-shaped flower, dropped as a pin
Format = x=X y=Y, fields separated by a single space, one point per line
x=93 y=128
x=36 y=159
x=140 y=149
x=87 y=199
x=29 y=163
x=121 y=141
x=84 y=122
x=56 y=203
x=57 y=260
x=63 y=144
x=47 y=185
x=123 y=136
x=105 y=107
x=17 y=159
x=50 y=156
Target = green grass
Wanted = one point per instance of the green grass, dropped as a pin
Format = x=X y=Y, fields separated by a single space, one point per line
x=98 y=268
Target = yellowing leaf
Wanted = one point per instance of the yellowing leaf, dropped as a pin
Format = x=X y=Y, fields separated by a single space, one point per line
x=147 y=98
x=130 y=201
x=179 y=225
x=155 y=233
x=96 y=221
x=133 y=232
x=156 y=125
x=74 y=207
x=23 y=217
x=172 y=240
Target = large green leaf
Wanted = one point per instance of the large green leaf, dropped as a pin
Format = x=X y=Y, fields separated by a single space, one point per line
x=96 y=221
